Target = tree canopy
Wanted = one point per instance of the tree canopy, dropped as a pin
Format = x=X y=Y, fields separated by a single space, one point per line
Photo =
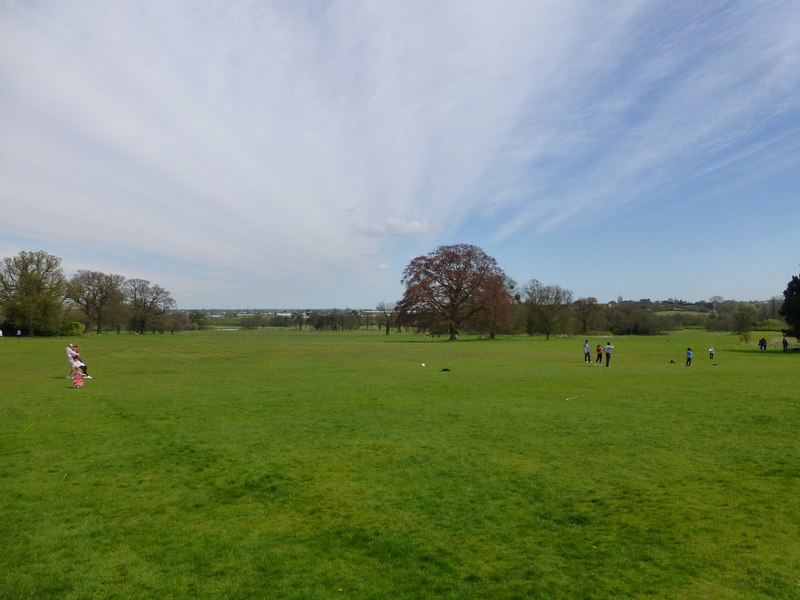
x=588 y=314
x=547 y=305
x=148 y=303
x=31 y=288
x=35 y=297
x=452 y=288
x=386 y=314
x=791 y=307
x=98 y=295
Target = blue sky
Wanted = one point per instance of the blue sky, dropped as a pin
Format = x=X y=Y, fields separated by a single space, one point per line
x=253 y=154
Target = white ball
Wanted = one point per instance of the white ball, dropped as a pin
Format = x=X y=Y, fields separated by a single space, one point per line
x=423 y=364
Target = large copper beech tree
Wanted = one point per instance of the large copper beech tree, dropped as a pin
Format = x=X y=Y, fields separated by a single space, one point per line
x=455 y=288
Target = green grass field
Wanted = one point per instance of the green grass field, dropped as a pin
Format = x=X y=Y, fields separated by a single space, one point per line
x=286 y=464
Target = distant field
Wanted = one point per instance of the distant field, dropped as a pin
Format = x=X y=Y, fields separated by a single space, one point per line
x=286 y=464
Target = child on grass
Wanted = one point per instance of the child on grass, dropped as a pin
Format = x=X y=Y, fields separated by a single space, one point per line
x=77 y=377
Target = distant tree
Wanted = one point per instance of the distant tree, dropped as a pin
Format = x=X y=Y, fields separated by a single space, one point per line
x=367 y=319
x=71 y=328
x=744 y=318
x=547 y=306
x=98 y=295
x=325 y=320
x=199 y=319
x=227 y=319
x=627 y=318
x=452 y=288
x=337 y=319
x=73 y=313
x=684 y=320
x=733 y=316
x=252 y=321
x=147 y=304
x=772 y=307
x=315 y=320
x=588 y=314
x=351 y=319
x=720 y=323
x=31 y=291
x=790 y=310
x=176 y=321
x=386 y=315
x=279 y=321
x=120 y=315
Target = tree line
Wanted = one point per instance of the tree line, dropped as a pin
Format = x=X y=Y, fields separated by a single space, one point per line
x=334 y=319
x=460 y=288
x=38 y=299
x=452 y=290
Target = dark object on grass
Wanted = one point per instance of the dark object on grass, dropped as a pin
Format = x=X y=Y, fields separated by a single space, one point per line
x=445 y=369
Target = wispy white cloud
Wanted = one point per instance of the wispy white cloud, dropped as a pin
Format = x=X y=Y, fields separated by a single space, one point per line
x=284 y=149
x=395 y=227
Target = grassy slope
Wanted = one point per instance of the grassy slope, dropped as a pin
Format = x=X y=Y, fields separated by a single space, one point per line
x=295 y=465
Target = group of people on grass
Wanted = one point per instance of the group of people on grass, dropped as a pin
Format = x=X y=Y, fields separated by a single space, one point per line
x=78 y=370
x=599 y=351
x=606 y=350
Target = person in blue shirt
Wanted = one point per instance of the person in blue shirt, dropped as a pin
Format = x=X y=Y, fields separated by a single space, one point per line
x=689 y=356
x=607 y=349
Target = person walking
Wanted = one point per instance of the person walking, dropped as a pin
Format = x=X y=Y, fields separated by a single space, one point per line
x=785 y=343
x=599 y=352
x=607 y=349
x=587 y=356
x=711 y=352
x=689 y=356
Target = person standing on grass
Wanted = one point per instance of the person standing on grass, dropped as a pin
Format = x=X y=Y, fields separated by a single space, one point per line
x=689 y=356
x=785 y=343
x=711 y=352
x=607 y=349
x=599 y=352
x=587 y=356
